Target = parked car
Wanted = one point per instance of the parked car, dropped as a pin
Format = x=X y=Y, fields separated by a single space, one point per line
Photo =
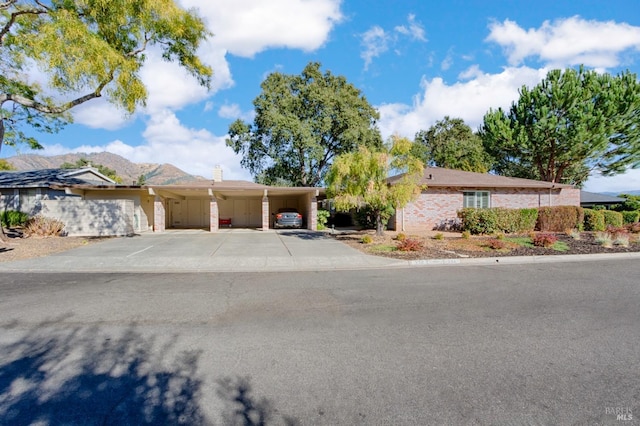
x=288 y=218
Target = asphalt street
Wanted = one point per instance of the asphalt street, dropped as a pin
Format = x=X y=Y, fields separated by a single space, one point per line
x=551 y=343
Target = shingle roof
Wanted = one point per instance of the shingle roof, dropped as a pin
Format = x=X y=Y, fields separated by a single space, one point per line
x=595 y=198
x=441 y=177
x=43 y=178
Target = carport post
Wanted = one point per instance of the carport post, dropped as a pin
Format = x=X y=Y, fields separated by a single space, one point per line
x=265 y=211
x=312 y=223
x=214 y=215
x=159 y=215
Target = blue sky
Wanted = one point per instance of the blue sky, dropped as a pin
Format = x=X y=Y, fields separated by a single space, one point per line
x=415 y=61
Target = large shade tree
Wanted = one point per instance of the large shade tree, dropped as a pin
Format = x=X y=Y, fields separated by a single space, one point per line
x=361 y=179
x=452 y=144
x=302 y=123
x=85 y=50
x=573 y=123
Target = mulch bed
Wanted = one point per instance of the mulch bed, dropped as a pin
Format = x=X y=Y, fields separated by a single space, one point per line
x=455 y=247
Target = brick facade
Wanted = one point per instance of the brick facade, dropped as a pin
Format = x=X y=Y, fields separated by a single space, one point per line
x=436 y=206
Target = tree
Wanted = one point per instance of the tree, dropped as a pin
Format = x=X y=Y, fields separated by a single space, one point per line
x=452 y=144
x=110 y=173
x=571 y=124
x=86 y=50
x=5 y=165
x=302 y=123
x=360 y=178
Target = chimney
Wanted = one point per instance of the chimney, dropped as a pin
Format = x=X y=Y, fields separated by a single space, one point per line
x=217 y=173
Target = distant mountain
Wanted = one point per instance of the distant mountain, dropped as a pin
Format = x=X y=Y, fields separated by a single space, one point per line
x=155 y=174
x=616 y=194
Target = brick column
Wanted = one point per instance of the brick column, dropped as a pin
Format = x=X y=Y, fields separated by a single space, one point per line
x=214 y=215
x=265 y=213
x=312 y=222
x=159 y=215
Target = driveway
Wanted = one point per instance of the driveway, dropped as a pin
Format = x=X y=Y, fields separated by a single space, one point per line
x=201 y=251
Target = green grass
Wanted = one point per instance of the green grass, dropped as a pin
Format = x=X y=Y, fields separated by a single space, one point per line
x=560 y=246
x=383 y=248
x=521 y=241
x=526 y=242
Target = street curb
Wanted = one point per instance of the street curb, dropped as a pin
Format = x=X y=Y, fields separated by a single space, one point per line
x=515 y=260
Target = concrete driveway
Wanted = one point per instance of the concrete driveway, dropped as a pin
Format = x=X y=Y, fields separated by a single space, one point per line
x=200 y=251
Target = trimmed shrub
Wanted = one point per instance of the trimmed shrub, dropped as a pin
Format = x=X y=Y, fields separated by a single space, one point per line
x=594 y=220
x=544 y=240
x=497 y=219
x=632 y=216
x=401 y=236
x=410 y=244
x=466 y=235
x=323 y=217
x=612 y=218
x=559 y=218
x=367 y=239
x=12 y=218
x=528 y=219
x=43 y=226
x=438 y=236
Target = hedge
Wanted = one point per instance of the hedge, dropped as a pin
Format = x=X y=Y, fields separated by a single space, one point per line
x=560 y=218
x=632 y=216
x=497 y=219
x=594 y=220
x=612 y=218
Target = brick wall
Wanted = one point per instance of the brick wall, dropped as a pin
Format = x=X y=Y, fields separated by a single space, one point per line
x=438 y=205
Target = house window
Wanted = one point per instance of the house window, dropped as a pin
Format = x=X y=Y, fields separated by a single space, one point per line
x=477 y=199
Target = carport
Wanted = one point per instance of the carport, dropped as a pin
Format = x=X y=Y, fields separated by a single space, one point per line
x=238 y=204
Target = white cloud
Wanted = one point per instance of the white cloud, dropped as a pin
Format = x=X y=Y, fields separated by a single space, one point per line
x=447 y=62
x=468 y=100
x=413 y=30
x=567 y=42
x=617 y=184
x=195 y=151
x=375 y=42
x=169 y=85
x=233 y=112
x=100 y=114
x=247 y=27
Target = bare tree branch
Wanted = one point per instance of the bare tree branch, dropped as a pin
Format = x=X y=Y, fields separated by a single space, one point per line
x=49 y=109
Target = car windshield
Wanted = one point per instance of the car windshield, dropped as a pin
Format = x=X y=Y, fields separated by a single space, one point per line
x=288 y=210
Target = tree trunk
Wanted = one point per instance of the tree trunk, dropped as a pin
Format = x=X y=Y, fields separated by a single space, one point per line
x=379 y=226
x=3 y=236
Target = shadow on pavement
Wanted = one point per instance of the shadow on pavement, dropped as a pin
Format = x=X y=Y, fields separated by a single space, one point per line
x=303 y=234
x=83 y=376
